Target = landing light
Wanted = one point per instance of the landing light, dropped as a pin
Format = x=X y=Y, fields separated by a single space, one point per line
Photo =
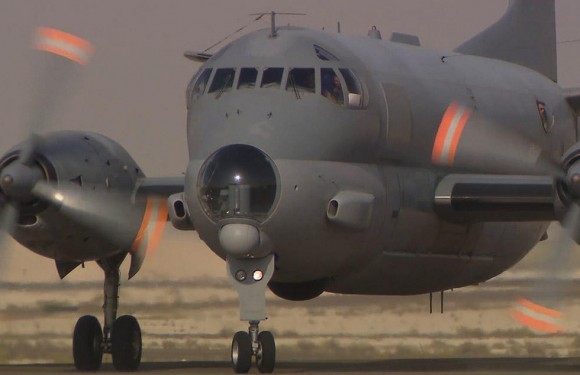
x=258 y=275
x=59 y=197
x=241 y=275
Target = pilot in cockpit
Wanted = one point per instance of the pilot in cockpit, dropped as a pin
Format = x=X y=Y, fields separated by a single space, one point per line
x=332 y=88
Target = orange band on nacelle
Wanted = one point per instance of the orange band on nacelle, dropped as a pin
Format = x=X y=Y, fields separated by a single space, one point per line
x=158 y=230
x=63 y=44
x=449 y=134
x=152 y=226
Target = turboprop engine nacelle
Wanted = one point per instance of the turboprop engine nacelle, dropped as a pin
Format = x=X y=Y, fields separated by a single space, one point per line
x=83 y=204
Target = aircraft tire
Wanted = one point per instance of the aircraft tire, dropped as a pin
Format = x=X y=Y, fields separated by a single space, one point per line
x=241 y=352
x=87 y=344
x=266 y=357
x=126 y=343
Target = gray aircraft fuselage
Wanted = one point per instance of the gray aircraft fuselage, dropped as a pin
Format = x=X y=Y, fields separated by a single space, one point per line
x=375 y=152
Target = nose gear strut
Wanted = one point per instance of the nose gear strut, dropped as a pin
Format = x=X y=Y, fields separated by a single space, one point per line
x=250 y=277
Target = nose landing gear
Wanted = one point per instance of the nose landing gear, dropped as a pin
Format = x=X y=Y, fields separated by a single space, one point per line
x=250 y=278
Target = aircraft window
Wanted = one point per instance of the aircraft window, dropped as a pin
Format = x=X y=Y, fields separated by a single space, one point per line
x=324 y=54
x=197 y=86
x=331 y=86
x=301 y=81
x=248 y=78
x=222 y=81
x=272 y=78
x=354 y=89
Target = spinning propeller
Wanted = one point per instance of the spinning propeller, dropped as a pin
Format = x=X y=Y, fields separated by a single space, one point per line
x=465 y=146
x=108 y=212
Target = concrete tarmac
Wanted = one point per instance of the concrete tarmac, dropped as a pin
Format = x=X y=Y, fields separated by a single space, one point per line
x=440 y=366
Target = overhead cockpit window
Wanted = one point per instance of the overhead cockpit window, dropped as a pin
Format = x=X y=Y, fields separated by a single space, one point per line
x=197 y=86
x=223 y=80
x=331 y=86
x=247 y=78
x=301 y=81
x=272 y=78
x=324 y=54
x=353 y=88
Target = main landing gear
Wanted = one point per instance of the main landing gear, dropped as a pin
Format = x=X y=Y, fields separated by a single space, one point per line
x=120 y=337
x=250 y=278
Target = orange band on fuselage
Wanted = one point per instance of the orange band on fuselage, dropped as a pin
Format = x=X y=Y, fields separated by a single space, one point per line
x=449 y=134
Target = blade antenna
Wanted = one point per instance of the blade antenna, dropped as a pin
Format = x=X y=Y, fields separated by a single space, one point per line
x=235 y=31
x=273 y=30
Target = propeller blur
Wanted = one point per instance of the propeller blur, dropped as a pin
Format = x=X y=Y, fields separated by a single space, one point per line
x=319 y=162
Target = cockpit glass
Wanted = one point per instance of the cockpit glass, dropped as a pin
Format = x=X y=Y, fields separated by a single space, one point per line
x=197 y=86
x=222 y=81
x=323 y=54
x=272 y=78
x=248 y=78
x=331 y=86
x=353 y=87
x=301 y=81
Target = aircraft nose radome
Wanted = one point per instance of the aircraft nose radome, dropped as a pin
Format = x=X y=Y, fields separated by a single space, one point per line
x=238 y=181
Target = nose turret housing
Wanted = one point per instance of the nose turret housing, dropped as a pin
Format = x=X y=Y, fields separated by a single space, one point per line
x=238 y=181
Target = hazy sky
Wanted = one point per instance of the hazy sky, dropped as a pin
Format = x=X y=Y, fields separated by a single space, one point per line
x=133 y=88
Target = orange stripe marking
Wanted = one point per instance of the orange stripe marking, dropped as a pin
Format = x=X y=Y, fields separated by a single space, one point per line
x=144 y=224
x=533 y=323
x=539 y=309
x=457 y=136
x=47 y=35
x=442 y=132
x=159 y=226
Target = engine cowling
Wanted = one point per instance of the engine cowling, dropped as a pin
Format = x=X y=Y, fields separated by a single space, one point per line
x=97 y=215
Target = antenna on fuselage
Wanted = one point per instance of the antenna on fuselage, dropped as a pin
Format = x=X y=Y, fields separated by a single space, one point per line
x=273 y=32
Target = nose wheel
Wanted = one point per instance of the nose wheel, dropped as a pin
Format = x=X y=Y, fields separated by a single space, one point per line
x=253 y=343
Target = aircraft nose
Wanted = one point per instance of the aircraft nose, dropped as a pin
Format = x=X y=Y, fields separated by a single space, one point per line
x=238 y=181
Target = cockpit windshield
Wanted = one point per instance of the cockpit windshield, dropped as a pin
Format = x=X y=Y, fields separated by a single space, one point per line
x=301 y=81
x=338 y=85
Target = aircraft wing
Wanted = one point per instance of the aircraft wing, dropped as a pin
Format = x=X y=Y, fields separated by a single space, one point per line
x=161 y=186
x=573 y=98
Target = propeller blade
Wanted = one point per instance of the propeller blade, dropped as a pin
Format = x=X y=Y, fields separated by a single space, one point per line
x=8 y=218
x=540 y=310
x=61 y=54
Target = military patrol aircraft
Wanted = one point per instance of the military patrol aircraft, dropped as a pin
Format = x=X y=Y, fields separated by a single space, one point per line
x=318 y=162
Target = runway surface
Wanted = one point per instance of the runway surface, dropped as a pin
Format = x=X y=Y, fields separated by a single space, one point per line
x=536 y=366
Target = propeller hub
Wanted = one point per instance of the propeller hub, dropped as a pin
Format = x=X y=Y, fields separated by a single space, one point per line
x=17 y=181
x=7 y=180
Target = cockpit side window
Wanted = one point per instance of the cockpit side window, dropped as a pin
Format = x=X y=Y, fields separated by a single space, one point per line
x=223 y=80
x=272 y=78
x=301 y=81
x=353 y=88
x=247 y=78
x=331 y=86
x=197 y=86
